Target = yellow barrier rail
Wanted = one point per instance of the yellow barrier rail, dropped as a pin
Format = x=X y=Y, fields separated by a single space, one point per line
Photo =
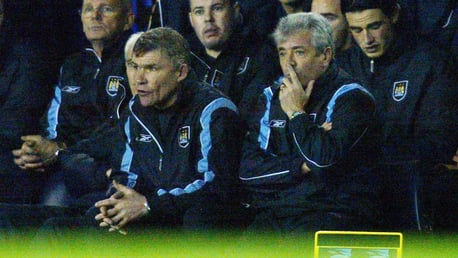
x=360 y=244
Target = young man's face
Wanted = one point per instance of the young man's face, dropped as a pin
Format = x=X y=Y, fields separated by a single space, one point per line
x=104 y=19
x=156 y=79
x=213 y=22
x=297 y=51
x=330 y=9
x=372 y=30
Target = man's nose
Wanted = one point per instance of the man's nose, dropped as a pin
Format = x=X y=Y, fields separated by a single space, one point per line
x=368 y=38
x=96 y=14
x=291 y=59
x=139 y=75
x=208 y=16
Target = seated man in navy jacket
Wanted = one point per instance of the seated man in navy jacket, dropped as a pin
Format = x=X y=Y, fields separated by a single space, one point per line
x=301 y=155
x=414 y=85
x=177 y=165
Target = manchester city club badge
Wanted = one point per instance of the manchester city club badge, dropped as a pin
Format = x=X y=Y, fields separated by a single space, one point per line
x=400 y=90
x=113 y=85
x=184 y=136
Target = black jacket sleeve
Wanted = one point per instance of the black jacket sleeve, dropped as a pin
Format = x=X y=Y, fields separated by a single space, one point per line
x=350 y=120
x=259 y=166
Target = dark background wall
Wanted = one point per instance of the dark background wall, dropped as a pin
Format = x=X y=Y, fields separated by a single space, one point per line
x=53 y=25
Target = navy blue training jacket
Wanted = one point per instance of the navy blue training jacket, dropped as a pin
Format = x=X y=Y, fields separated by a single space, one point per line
x=88 y=99
x=416 y=91
x=183 y=156
x=276 y=147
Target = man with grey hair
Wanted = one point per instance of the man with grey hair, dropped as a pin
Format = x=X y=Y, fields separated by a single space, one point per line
x=174 y=163
x=178 y=165
x=299 y=157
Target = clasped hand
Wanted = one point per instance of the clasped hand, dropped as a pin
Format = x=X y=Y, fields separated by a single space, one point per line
x=35 y=153
x=124 y=206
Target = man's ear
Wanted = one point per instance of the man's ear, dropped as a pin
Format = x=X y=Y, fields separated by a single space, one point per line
x=190 y=19
x=395 y=16
x=129 y=21
x=237 y=15
x=327 y=57
x=237 y=9
x=183 y=72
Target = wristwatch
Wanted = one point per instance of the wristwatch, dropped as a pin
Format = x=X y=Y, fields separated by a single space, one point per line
x=148 y=209
x=296 y=113
x=60 y=147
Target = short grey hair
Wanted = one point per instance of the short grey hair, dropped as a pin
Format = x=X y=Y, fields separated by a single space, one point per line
x=129 y=47
x=319 y=28
x=167 y=40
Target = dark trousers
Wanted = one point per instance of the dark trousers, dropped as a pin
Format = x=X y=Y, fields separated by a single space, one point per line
x=267 y=220
x=19 y=186
x=15 y=217
x=78 y=179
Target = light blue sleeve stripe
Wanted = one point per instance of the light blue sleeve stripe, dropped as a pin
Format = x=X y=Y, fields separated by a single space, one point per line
x=206 y=145
x=264 y=129
x=127 y=157
x=265 y=176
x=53 y=113
x=342 y=90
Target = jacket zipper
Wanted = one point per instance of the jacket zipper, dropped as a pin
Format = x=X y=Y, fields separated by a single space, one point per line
x=149 y=132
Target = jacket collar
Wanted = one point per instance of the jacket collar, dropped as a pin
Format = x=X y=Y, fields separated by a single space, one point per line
x=401 y=44
x=232 y=44
x=184 y=96
x=324 y=84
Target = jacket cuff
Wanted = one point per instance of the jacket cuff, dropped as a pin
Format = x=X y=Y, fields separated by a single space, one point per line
x=299 y=121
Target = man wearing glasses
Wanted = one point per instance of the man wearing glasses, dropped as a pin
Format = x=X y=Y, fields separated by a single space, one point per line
x=87 y=101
